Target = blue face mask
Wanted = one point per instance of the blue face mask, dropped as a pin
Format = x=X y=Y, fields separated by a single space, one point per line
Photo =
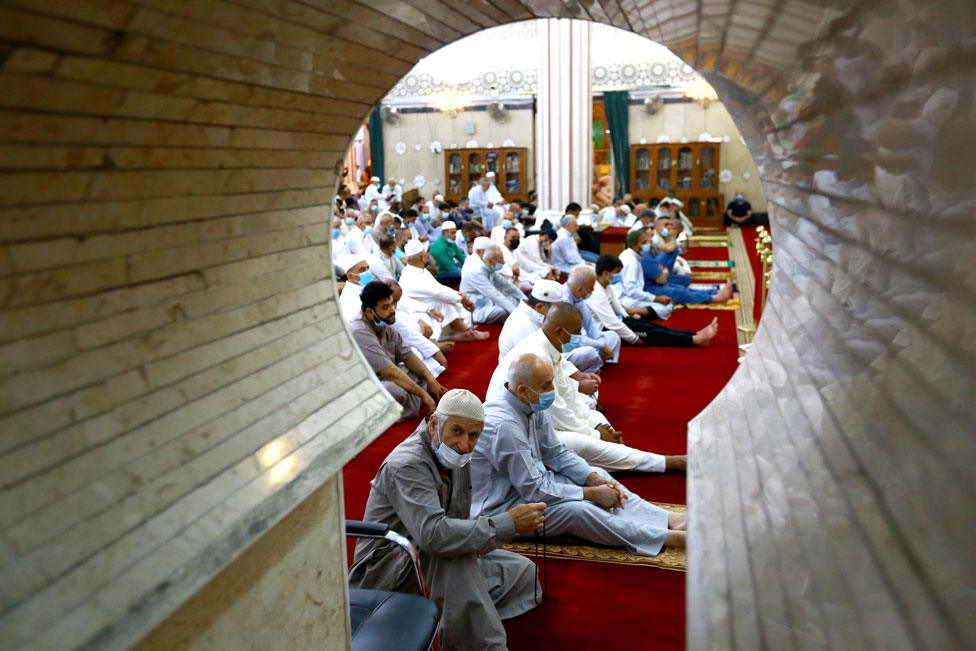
x=350 y=221
x=336 y=233
x=739 y=197
x=545 y=400
x=425 y=218
x=390 y=230
x=525 y=213
x=646 y=249
x=378 y=322
x=448 y=456
x=664 y=232
x=400 y=255
x=617 y=279
x=497 y=266
x=573 y=343
x=374 y=208
x=366 y=278
x=506 y=224
x=367 y=230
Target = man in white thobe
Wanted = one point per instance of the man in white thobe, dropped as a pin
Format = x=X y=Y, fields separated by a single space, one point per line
x=358 y=275
x=484 y=208
x=565 y=251
x=419 y=330
x=519 y=459
x=434 y=206
x=392 y=191
x=630 y=290
x=494 y=297
x=372 y=192
x=534 y=256
x=354 y=241
x=605 y=343
x=584 y=430
x=453 y=306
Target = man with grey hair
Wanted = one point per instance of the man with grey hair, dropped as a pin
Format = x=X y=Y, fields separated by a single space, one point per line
x=423 y=491
x=520 y=460
x=605 y=343
x=493 y=295
x=484 y=203
x=565 y=251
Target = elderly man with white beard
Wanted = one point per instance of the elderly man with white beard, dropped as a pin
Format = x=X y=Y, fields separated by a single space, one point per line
x=520 y=460
x=423 y=491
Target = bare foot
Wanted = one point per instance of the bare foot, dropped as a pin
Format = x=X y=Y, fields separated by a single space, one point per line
x=676 y=463
x=445 y=346
x=470 y=335
x=677 y=521
x=723 y=294
x=663 y=300
x=675 y=539
x=704 y=336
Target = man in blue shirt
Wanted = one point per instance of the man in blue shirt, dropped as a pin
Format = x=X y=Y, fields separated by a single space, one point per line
x=605 y=344
x=739 y=212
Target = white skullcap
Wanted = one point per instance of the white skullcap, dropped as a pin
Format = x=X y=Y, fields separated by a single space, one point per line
x=677 y=202
x=412 y=248
x=490 y=175
x=481 y=243
x=626 y=209
x=547 y=291
x=463 y=403
x=374 y=179
x=438 y=197
x=449 y=225
x=585 y=220
x=350 y=260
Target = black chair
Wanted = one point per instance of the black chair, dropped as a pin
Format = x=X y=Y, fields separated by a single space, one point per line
x=384 y=620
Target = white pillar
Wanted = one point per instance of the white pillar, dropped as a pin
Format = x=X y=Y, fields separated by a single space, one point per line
x=564 y=117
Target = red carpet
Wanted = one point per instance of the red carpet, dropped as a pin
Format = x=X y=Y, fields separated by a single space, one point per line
x=749 y=237
x=650 y=396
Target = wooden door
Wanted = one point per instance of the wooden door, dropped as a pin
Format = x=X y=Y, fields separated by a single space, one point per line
x=641 y=165
x=453 y=174
x=474 y=168
x=512 y=179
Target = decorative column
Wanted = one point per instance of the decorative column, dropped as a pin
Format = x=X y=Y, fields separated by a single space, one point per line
x=564 y=117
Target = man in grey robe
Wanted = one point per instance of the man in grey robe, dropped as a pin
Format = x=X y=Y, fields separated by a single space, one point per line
x=423 y=492
x=520 y=460
x=493 y=295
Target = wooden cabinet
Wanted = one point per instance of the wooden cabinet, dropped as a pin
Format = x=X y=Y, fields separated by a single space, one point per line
x=690 y=170
x=463 y=168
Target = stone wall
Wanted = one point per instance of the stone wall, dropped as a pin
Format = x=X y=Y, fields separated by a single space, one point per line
x=175 y=378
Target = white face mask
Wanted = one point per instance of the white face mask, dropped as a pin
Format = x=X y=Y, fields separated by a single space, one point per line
x=446 y=455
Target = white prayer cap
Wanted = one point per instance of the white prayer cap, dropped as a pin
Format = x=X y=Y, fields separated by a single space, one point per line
x=547 y=291
x=374 y=179
x=412 y=248
x=585 y=220
x=448 y=225
x=677 y=202
x=438 y=197
x=462 y=403
x=490 y=175
x=481 y=243
x=626 y=209
x=350 y=260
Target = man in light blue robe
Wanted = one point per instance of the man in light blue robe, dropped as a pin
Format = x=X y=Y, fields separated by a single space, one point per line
x=493 y=295
x=519 y=460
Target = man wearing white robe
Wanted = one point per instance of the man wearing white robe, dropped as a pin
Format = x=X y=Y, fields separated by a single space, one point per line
x=419 y=330
x=604 y=343
x=630 y=290
x=453 y=306
x=358 y=275
x=580 y=428
x=494 y=297
x=434 y=206
x=354 y=241
x=520 y=460
x=480 y=199
x=392 y=191
x=534 y=258
x=372 y=192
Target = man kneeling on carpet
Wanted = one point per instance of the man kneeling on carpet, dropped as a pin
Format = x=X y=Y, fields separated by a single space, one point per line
x=385 y=350
x=423 y=491
x=520 y=460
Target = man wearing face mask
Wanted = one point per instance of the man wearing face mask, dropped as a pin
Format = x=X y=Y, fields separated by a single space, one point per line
x=631 y=323
x=520 y=459
x=423 y=491
x=354 y=241
x=658 y=279
x=358 y=274
x=583 y=430
x=738 y=212
x=604 y=344
x=535 y=258
x=385 y=350
x=494 y=297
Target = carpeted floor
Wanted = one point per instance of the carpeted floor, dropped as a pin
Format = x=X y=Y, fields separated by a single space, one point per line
x=650 y=396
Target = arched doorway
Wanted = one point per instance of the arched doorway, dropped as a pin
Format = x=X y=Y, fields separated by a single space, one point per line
x=164 y=296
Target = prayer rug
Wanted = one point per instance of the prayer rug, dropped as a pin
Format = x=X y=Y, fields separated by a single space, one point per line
x=711 y=264
x=709 y=243
x=732 y=304
x=723 y=237
x=574 y=549
x=713 y=275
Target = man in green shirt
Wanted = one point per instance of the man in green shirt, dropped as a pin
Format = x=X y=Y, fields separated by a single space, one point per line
x=448 y=255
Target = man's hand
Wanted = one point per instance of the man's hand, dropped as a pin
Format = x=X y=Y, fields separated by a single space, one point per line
x=439 y=357
x=588 y=386
x=606 y=353
x=663 y=278
x=425 y=329
x=528 y=517
x=608 y=433
x=603 y=495
x=427 y=404
x=636 y=313
x=435 y=389
x=594 y=479
x=435 y=314
x=466 y=303
x=662 y=300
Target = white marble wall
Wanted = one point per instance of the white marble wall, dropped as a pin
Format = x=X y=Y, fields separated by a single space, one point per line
x=175 y=379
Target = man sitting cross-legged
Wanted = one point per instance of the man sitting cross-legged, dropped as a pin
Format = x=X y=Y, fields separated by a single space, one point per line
x=520 y=460
x=385 y=350
x=423 y=491
x=580 y=428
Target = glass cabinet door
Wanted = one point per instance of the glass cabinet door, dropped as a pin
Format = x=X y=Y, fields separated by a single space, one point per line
x=513 y=164
x=642 y=170
x=706 y=168
x=454 y=174
x=712 y=208
x=474 y=169
x=685 y=168
x=694 y=207
x=491 y=162
x=664 y=168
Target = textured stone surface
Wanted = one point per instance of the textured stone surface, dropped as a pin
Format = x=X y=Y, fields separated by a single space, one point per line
x=174 y=380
